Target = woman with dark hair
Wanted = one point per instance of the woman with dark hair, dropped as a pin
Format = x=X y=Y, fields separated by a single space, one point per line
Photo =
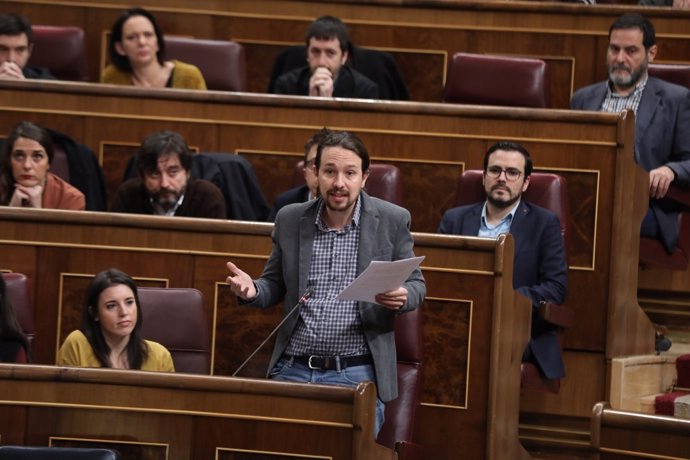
x=14 y=347
x=111 y=324
x=24 y=177
x=137 y=54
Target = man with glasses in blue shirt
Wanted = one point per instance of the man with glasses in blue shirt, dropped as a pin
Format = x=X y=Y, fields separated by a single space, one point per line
x=540 y=265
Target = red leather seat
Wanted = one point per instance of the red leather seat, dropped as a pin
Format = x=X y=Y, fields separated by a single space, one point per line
x=221 y=62
x=548 y=191
x=497 y=80
x=673 y=73
x=398 y=431
x=653 y=253
x=175 y=318
x=384 y=182
x=61 y=50
x=19 y=297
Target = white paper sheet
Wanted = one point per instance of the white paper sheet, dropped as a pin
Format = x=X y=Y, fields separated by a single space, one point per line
x=379 y=276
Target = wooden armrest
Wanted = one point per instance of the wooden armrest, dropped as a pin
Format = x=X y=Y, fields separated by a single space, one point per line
x=559 y=315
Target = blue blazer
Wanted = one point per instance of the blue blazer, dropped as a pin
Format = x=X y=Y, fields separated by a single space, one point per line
x=540 y=269
x=662 y=137
x=384 y=235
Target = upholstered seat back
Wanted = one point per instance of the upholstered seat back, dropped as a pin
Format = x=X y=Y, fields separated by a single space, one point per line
x=56 y=453
x=60 y=164
x=546 y=190
x=175 y=318
x=401 y=413
x=653 y=252
x=497 y=80
x=60 y=49
x=678 y=74
x=384 y=182
x=18 y=295
x=221 y=62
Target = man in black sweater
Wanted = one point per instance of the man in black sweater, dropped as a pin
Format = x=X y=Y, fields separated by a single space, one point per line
x=16 y=44
x=326 y=74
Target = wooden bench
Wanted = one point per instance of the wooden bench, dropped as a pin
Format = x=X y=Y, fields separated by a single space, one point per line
x=571 y=38
x=162 y=416
x=620 y=435
x=475 y=329
x=431 y=144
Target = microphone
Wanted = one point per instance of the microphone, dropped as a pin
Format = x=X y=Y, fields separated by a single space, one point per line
x=302 y=300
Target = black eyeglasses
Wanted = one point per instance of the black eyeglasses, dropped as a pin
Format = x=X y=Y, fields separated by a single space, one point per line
x=512 y=174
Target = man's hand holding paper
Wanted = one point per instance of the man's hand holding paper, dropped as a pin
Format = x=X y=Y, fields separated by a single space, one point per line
x=382 y=282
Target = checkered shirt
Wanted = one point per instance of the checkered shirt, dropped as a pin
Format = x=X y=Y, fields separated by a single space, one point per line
x=326 y=326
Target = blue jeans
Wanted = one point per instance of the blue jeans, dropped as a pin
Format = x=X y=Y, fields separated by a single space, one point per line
x=287 y=371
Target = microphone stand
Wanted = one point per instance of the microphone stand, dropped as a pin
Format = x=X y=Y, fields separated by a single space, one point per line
x=308 y=293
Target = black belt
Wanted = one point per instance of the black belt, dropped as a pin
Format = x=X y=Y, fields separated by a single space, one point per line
x=328 y=363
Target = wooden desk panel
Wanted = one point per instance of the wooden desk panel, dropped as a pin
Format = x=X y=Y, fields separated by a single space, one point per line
x=181 y=417
x=474 y=336
x=571 y=38
x=431 y=143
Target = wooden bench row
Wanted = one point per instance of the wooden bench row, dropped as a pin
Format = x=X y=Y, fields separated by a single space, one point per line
x=572 y=39
x=474 y=332
x=432 y=144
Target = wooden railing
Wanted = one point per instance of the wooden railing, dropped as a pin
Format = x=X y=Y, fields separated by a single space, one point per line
x=422 y=35
x=474 y=333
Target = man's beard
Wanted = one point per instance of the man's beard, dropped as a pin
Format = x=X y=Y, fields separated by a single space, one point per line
x=166 y=198
x=502 y=204
x=631 y=80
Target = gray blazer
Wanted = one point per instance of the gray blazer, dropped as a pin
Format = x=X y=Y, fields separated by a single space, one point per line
x=662 y=137
x=385 y=235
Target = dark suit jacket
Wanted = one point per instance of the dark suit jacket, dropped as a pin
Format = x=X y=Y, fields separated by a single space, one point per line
x=349 y=84
x=385 y=235
x=540 y=269
x=662 y=137
x=294 y=195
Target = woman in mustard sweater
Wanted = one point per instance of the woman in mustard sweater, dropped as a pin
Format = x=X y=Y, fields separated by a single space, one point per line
x=137 y=54
x=109 y=336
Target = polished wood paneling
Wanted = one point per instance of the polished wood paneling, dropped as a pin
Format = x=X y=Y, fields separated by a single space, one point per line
x=470 y=303
x=181 y=417
x=421 y=34
x=432 y=143
x=622 y=435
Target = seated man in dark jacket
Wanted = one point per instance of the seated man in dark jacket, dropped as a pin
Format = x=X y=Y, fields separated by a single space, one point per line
x=308 y=191
x=16 y=44
x=540 y=266
x=326 y=74
x=164 y=186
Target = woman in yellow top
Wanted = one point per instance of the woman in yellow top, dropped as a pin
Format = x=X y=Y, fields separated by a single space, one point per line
x=24 y=177
x=137 y=55
x=109 y=336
